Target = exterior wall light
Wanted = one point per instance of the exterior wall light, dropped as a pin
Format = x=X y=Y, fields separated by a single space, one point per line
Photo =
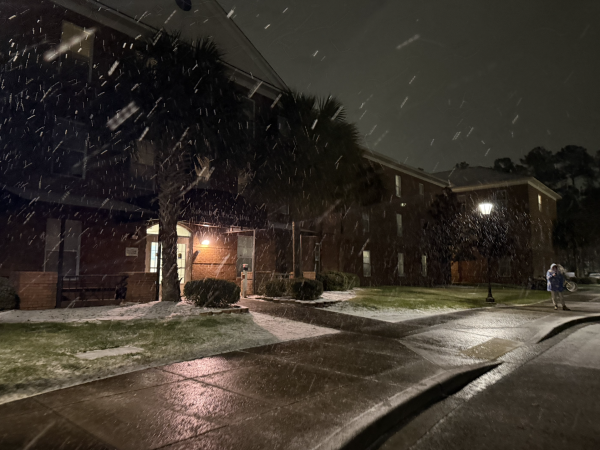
x=485 y=208
x=205 y=242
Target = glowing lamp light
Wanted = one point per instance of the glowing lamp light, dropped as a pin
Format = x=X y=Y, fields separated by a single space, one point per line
x=205 y=242
x=485 y=208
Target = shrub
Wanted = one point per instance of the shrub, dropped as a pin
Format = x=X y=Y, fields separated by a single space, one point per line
x=338 y=281
x=305 y=289
x=8 y=296
x=277 y=288
x=333 y=281
x=353 y=280
x=212 y=292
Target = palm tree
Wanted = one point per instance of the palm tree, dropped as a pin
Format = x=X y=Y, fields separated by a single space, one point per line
x=190 y=114
x=311 y=158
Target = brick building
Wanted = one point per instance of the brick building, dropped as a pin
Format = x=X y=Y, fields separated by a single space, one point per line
x=97 y=201
x=531 y=206
x=382 y=242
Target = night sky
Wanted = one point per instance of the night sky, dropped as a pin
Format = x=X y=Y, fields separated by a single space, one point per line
x=432 y=83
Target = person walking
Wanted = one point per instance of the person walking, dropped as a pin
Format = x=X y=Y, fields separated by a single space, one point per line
x=556 y=282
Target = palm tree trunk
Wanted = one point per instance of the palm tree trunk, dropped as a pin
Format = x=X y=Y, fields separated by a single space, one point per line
x=169 y=203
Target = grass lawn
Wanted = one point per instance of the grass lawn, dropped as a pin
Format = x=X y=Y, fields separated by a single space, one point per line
x=38 y=356
x=404 y=297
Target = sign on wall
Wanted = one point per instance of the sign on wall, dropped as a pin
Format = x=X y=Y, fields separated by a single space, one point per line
x=131 y=251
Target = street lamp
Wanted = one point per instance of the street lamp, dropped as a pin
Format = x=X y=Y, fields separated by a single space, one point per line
x=486 y=210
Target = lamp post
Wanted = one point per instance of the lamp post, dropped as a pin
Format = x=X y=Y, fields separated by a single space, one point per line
x=486 y=210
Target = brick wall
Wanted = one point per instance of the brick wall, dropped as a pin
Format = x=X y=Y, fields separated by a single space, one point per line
x=36 y=290
x=217 y=258
x=103 y=245
x=343 y=239
x=141 y=287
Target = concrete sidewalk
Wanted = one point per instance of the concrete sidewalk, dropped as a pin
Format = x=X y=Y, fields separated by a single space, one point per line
x=547 y=403
x=293 y=395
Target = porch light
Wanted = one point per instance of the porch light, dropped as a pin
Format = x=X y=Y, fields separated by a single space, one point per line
x=485 y=208
x=205 y=242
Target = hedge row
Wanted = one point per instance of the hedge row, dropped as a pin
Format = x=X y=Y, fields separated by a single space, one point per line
x=298 y=288
x=338 y=281
x=212 y=292
x=8 y=297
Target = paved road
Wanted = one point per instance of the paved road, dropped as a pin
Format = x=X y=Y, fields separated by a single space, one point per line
x=550 y=403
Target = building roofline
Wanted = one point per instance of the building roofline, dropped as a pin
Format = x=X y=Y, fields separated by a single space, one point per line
x=248 y=43
x=393 y=164
x=519 y=181
x=116 y=20
x=76 y=200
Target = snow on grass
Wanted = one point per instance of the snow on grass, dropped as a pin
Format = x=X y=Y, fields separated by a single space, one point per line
x=41 y=356
x=341 y=296
x=127 y=311
x=393 y=315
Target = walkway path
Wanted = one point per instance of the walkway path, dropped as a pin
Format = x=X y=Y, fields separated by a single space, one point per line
x=292 y=395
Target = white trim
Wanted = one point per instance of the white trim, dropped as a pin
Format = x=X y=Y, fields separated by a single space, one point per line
x=530 y=181
x=388 y=162
x=118 y=21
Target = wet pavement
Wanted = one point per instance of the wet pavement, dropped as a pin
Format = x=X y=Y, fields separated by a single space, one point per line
x=550 y=403
x=291 y=395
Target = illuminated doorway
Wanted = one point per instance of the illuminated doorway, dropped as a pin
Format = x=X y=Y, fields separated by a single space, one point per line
x=183 y=253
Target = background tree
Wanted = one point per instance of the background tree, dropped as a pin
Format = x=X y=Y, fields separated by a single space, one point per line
x=443 y=233
x=506 y=165
x=574 y=162
x=541 y=164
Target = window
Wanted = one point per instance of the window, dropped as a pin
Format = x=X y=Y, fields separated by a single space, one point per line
x=366 y=222
x=244 y=253
x=80 y=44
x=141 y=166
x=398 y=186
x=424 y=265
x=504 y=267
x=366 y=263
x=72 y=244
x=399 y=225
x=70 y=148
x=540 y=202
x=421 y=190
x=401 y=264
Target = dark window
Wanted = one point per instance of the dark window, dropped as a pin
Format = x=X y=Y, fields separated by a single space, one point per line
x=366 y=222
x=79 y=44
x=70 y=146
x=72 y=244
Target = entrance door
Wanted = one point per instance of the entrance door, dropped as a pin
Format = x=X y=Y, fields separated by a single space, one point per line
x=181 y=260
x=183 y=253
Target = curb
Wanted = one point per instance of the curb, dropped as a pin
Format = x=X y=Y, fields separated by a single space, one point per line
x=238 y=310
x=544 y=334
x=364 y=430
x=316 y=303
